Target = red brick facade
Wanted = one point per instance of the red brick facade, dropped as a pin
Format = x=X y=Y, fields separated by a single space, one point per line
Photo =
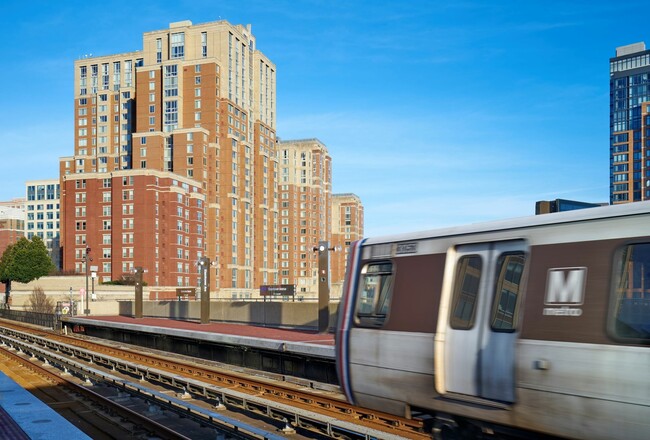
x=133 y=218
x=347 y=226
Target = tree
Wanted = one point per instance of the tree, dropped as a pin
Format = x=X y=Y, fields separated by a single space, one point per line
x=24 y=261
x=39 y=302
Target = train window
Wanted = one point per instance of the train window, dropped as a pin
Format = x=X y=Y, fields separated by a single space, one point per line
x=509 y=270
x=630 y=316
x=466 y=287
x=375 y=293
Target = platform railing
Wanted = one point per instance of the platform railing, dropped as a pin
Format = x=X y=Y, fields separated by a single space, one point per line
x=42 y=319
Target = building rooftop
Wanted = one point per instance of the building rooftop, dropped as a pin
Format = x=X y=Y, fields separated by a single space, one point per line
x=7 y=213
x=630 y=49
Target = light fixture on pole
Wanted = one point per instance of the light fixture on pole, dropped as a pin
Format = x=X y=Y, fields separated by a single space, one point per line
x=323 y=250
x=138 y=271
x=204 y=283
x=88 y=259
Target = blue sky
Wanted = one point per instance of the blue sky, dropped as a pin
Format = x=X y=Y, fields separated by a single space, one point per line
x=435 y=113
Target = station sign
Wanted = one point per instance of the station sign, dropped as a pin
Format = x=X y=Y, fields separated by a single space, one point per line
x=278 y=290
x=185 y=291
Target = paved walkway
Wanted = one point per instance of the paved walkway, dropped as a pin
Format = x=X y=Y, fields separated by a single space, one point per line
x=308 y=337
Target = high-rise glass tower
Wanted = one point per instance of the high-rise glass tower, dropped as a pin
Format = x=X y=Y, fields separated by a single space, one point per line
x=629 y=124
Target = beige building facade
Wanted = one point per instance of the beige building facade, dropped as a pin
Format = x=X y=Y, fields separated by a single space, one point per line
x=305 y=205
x=347 y=226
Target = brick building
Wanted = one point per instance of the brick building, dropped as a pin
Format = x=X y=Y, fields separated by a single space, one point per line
x=197 y=102
x=176 y=158
x=347 y=226
x=12 y=223
x=150 y=219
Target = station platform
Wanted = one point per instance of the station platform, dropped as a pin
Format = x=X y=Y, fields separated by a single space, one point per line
x=300 y=342
x=299 y=353
x=23 y=416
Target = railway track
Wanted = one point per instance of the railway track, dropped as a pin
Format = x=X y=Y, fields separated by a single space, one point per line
x=311 y=412
x=96 y=415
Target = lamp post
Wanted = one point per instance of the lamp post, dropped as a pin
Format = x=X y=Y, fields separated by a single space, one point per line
x=204 y=273
x=138 y=291
x=323 y=250
x=70 y=311
x=87 y=309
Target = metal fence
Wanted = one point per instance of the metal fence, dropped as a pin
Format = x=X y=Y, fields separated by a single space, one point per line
x=42 y=319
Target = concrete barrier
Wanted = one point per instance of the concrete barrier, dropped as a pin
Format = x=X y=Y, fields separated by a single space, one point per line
x=288 y=314
x=119 y=300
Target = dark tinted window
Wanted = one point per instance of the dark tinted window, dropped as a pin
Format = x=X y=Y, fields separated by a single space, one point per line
x=465 y=293
x=507 y=289
x=630 y=317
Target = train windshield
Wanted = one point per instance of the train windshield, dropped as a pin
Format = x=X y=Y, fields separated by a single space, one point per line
x=631 y=313
x=375 y=293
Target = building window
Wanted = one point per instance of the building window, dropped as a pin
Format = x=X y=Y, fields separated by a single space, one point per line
x=158 y=50
x=177 y=46
x=171 y=80
x=204 y=44
x=171 y=115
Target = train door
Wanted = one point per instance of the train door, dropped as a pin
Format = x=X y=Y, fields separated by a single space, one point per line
x=475 y=342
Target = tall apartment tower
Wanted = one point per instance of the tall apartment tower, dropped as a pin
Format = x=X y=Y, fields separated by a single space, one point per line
x=629 y=175
x=189 y=121
x=305 y=197
x=347 y=226
x=42 y=215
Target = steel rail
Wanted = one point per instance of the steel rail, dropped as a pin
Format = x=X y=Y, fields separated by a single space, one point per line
x=327 y=415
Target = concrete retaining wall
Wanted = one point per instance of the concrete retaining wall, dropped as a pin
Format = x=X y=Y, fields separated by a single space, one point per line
x=118 y=300
x=276 y=314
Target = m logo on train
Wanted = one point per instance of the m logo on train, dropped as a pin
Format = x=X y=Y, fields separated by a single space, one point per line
x=565 y=289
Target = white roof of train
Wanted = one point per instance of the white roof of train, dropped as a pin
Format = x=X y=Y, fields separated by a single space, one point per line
x=612 y=211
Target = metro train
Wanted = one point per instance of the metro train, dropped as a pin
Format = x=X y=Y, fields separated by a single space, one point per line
x=533 y=326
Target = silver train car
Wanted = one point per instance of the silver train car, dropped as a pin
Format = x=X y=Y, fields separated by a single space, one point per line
x=533 y=325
